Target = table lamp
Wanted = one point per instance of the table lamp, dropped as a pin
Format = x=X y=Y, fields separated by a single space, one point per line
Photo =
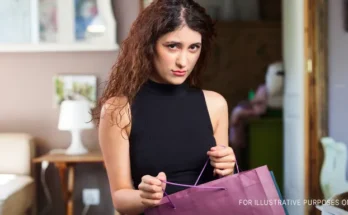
x=74 y=117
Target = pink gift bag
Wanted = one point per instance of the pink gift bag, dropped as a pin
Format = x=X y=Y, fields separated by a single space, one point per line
x=251 y=192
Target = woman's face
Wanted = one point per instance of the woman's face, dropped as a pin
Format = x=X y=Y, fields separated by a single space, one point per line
x=176 y=55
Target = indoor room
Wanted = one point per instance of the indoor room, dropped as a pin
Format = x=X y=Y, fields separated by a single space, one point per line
x=279 y=64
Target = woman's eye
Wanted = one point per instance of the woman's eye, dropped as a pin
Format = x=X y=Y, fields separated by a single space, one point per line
x=194 y=48
x=172 y=46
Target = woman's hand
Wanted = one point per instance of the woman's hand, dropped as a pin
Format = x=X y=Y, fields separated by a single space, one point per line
x=152 y=189
x=222 y=158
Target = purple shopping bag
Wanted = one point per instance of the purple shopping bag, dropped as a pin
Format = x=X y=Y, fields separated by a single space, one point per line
x=251 y=192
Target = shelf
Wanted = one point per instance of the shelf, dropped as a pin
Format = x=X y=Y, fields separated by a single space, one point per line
x=58 y=26
x=18 y=48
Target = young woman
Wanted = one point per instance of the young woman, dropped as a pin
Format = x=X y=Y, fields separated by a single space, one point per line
x=155 y=123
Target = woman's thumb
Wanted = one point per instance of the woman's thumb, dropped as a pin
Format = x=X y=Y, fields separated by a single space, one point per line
x=162 y=176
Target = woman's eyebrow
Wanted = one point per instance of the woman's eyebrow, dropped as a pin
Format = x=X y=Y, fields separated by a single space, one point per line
x=171 y=42
x=177 y=42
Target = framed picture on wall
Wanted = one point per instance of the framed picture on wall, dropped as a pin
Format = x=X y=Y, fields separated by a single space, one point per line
x=144 y=3
x=75 y=87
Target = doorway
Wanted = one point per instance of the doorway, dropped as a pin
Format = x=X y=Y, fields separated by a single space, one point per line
x=298 y=38
x=246 y=67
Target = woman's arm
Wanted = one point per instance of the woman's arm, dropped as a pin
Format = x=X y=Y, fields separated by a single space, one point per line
x=114 y=145
x=218 y=112
x=221 y=158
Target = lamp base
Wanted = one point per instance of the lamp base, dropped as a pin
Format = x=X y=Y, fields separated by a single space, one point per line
x=74 y=150
x=76 y=147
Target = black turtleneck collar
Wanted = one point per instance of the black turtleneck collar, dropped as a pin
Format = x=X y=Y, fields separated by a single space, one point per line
x=166 y=89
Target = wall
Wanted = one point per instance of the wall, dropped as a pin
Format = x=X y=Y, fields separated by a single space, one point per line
x=338 y=75
x=243 y=9
x=26 y=106
x=235 y=47
x=228 y=10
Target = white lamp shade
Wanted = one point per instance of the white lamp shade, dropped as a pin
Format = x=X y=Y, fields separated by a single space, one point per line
x=75 y=114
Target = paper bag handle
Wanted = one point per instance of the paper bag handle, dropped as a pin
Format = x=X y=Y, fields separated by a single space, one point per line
x=205 y=165
x=195 y=185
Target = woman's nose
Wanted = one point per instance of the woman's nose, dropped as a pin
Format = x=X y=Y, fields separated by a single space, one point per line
x=181 y=60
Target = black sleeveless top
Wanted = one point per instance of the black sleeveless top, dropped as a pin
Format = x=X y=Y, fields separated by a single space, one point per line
x=171 y=133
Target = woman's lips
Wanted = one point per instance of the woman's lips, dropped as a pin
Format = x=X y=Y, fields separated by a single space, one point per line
x=179 y=73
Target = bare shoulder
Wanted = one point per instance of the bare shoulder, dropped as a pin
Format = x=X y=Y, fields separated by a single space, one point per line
x=215 y=101
x=217 y=107
x=116 y=109
x=115 y=103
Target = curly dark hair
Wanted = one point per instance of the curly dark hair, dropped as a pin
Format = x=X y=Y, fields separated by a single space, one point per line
x=135 y=60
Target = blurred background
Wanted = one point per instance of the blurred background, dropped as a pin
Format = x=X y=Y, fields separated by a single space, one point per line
x=279 y=64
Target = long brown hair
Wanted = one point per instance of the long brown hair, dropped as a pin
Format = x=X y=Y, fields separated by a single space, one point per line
x=135 y=60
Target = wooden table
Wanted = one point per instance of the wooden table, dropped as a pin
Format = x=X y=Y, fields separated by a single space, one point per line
x=66 y=167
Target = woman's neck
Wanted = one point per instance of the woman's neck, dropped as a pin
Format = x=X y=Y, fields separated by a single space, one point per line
x=165 y=88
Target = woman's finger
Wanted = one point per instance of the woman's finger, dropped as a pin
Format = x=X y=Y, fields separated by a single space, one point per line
x=150 y=202
x=149 y=188
x=151 y=180
x=228 y=165
x=225 y=159
x=152 y=196
x=224 y=172
x=220 y=152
